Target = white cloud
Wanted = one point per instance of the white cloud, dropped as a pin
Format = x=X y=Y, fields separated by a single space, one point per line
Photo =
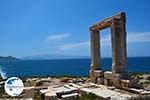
x=131 y=37
x=138 y=37
x=84 y=44
x=57 y=37
x=105 y=41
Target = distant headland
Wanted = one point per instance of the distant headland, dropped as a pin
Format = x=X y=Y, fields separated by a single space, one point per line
x=8 y=58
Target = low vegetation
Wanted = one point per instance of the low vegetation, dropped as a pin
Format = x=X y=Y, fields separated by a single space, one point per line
x=89 y=96
x=148 y=78
x=37 y=83
x=146 y=97
x=2 y=92
x=36 y=95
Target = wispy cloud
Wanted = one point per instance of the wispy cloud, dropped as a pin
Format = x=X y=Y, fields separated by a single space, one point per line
x=138 y=37
x=84 y=44
x=132 y=37
x=57 y=37
x=78 y=45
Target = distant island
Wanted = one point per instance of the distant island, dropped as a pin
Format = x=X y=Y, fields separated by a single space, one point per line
x=52 y=56
x=8 y=58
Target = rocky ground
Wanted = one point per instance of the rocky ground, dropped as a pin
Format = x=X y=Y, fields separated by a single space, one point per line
x=32 y=85
x=142 y=79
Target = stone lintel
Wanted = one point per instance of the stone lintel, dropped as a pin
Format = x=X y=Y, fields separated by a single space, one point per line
x=101 y=26
x=107 y=22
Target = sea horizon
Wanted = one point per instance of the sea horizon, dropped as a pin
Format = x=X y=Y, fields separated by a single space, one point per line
x=86 y=57
x=72 y=67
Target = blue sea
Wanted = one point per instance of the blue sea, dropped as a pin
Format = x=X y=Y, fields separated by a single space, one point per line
x=74 y=67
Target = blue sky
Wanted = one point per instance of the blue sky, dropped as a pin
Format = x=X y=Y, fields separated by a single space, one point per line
x=37 y=27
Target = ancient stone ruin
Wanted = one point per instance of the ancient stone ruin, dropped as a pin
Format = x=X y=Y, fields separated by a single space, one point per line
x=118 y=76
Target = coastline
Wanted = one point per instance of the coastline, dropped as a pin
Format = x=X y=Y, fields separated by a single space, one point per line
x=2 y=74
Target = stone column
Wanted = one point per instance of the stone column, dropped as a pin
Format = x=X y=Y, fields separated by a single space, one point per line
x=123 y=44
x=95 y=53
x=118 y=36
